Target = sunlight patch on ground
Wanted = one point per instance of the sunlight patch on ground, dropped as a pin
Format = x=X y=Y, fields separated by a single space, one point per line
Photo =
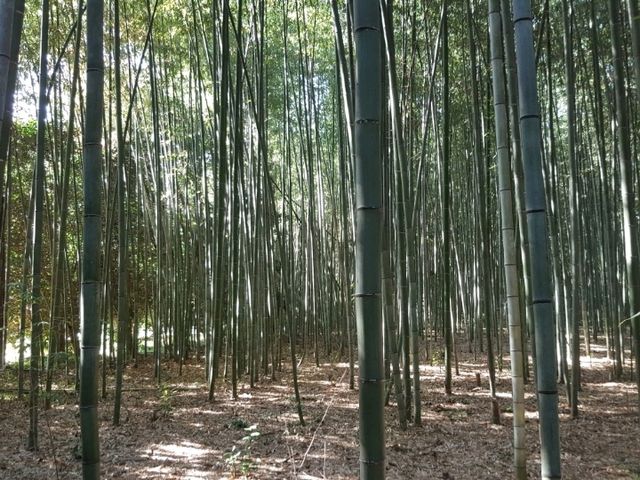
x=201 y=411
x=190 y=474
x=341 y=365
x=184 y=458
x=616 y=386
x=187 y=386
x=183 y=450
x=159 y=470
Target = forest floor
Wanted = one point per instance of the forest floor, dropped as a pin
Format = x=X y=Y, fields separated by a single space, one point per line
x=173 y=432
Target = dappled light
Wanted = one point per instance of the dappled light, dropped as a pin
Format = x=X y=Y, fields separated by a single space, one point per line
x=184 y=436
x=319 y=239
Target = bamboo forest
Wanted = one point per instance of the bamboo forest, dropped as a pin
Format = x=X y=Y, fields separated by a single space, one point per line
x=319 y=239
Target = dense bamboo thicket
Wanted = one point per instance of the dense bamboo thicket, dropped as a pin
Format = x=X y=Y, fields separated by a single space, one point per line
x=253 y=184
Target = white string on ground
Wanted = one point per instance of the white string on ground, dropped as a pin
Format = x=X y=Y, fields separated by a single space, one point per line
x=313 y=438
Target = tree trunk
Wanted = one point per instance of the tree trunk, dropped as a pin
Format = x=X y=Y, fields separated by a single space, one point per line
x=510 y=261
x=368 y=102
x=538 y=239
x=91 y=249
x=629 y=221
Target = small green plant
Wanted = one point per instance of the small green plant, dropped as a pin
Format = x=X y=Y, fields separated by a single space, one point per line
x=239 y=458
x=438 y=358
x=165 y=398
x=8 y=396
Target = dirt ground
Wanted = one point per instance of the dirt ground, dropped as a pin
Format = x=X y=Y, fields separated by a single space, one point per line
x=173 y=432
